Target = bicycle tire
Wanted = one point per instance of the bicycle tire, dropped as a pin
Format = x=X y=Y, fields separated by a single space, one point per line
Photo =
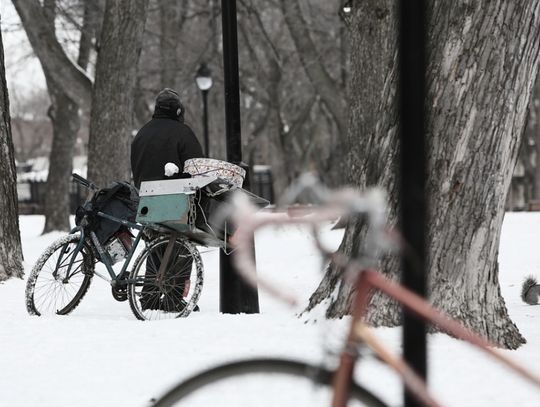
x=164 y=300
x=60 y=300
x=314 y=374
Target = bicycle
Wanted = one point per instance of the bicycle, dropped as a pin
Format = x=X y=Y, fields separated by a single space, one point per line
x=165 y=280
x=337 y=385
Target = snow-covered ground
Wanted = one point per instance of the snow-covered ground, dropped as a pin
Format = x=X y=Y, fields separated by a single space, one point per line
x=100 y=355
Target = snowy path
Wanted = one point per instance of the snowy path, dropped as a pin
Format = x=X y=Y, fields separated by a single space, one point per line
x=101 y=356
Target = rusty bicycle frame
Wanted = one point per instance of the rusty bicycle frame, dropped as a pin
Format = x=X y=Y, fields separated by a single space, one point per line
x=346 y=203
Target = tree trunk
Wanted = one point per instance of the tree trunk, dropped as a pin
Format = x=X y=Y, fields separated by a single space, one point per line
x=483 y=60
x=372 y=136
x=531 y=140
x=64 y=115
x=91 y=27
x=141 y=110
x=10 y=240
x=171 y=26
x=489 y=64
x=68 y=89
x=112 y=99
x=280 y=161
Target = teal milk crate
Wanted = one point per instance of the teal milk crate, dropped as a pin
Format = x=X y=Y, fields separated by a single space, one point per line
x=166 y=203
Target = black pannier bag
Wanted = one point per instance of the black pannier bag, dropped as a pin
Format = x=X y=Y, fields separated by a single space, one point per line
x=120 y=199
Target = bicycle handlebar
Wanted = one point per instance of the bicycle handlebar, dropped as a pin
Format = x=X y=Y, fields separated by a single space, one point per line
x=335 y=204
x=84 y=182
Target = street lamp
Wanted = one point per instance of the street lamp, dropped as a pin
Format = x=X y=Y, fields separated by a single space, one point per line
x=204 y=83
x=235 y=295
x=345 y=9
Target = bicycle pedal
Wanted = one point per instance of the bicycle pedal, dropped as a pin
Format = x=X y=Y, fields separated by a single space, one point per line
x=119 y=294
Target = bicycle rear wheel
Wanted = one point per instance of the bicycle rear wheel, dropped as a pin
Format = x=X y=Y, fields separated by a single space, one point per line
x=54 y=287
x=262 y=383
x=169 y=293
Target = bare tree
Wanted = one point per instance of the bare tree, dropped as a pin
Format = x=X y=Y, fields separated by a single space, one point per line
x=285 y=122
x=77 y=85
x=112 y=98
x=268 y=65
x=172 y=17
x=483 y=59
x=39 y=23
x=64 y=115
x=10 y=240
x=327 y=87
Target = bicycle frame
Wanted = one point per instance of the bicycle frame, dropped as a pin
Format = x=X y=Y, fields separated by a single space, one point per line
x=366 y=282
x=103 y=257
x=73 y=256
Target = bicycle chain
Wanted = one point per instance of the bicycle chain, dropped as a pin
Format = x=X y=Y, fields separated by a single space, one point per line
x=192 y=214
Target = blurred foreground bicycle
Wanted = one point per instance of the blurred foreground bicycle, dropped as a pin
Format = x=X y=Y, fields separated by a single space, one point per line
x=279 y=382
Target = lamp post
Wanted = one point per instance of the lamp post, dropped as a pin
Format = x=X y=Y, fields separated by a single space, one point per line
x=413 y=210
x=235 y=295
x=203 y=79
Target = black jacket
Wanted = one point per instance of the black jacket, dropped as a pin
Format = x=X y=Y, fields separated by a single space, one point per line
x=158 y=142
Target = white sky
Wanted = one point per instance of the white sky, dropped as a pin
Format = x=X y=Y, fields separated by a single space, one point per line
x=23 y=70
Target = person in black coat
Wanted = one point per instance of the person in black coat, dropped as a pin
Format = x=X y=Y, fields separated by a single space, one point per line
x=164 y=139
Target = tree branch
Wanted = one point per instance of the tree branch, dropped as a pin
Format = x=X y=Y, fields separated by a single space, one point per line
x=61 y=69
x=92 y=18
x=325 y=86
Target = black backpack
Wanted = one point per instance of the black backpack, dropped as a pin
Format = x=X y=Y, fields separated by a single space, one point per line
x=120 y=199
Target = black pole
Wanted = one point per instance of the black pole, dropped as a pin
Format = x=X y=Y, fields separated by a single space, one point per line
x=412 y=37
x=232 y=81
x=205 y=122
x=236 y=296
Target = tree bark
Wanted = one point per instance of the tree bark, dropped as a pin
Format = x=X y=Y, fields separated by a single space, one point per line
x=10 y=240
x=483 y=60
x=172 y=14
x=489 y=65
x=112 y=98
x=91 y=27
x=64 y=115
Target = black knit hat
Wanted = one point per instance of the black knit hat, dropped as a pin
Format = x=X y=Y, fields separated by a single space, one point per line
x=168 y=102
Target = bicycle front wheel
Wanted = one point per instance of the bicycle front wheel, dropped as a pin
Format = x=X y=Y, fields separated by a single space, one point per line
x=262 y=383
x=60 y=278
x=171 y=291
